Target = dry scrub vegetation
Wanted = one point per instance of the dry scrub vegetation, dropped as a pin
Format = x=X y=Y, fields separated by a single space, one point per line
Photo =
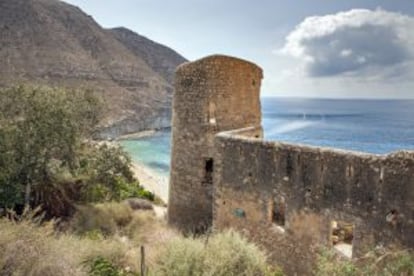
x=105 y=239
x=111 y=232
x=223 y=254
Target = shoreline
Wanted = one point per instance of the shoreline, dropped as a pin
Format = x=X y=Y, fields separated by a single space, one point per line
x=151 y=180
x=137 y=135
x=141 y=134
x=148 y=178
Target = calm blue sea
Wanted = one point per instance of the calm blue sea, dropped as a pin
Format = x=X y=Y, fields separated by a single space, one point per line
x=375 y=126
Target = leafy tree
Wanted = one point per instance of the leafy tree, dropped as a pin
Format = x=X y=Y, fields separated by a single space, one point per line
x=108 y=176
x=39 y=127
x=45 y=156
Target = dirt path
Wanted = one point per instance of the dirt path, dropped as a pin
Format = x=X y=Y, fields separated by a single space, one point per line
x=160 y=212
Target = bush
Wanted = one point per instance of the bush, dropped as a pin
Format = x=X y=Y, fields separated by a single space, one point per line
x=106 y=174
x=226 y=253
x=40 y=132
x=44 y=159
x=182 y=257
x=106 y=218
x=330 y=264
x=116 y=219
x=27 y=248
x=100 y=266
x=374 y=263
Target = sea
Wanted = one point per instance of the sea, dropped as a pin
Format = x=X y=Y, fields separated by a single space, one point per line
x=373 y=126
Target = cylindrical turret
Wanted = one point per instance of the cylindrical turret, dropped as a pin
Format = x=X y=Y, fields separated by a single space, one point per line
x=213 y=94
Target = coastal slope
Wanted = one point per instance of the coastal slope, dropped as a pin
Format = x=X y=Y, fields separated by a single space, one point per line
x=49 y=42
x=160 y=58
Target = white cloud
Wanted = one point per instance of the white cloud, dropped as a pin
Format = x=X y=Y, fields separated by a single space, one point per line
x=375 y=44
x=346 y=53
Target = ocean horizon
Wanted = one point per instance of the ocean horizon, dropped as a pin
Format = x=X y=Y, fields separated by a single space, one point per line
x=377 y=126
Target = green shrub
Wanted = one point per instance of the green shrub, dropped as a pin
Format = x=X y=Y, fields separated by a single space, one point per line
x=107 y=175
x=226 y=253
x=44 y=159
x=329 y=264
x=374 y=263
x=182 y=257
x=100 y=266
x=229 y=253
x=391 y=263
x=106 y=218
x=40 y=127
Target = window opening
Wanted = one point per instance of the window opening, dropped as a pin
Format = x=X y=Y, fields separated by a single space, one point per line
x=208 y=172
x=279 y=210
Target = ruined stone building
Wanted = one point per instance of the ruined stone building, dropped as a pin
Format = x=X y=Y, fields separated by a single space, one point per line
x=224 y=175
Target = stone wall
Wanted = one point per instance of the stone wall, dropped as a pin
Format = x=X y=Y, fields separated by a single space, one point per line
x=213 y=94
x=375 y=193
x=283 y=196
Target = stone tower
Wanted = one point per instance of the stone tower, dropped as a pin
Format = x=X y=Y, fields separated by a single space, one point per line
x=213 y=94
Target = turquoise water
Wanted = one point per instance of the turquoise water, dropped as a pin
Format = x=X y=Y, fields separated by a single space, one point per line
x=375 y=126
x=153 y=152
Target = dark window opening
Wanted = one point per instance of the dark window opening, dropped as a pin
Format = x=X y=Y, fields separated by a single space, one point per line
x=279 y=210
x=209 y=165
x=208 y=172
x=308 y=196
x=289 y=165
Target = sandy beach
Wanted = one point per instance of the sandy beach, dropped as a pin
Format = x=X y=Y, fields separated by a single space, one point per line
x=151 y=181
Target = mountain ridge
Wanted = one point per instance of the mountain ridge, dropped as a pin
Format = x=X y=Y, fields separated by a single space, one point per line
x=54 y=43
x=150 y=51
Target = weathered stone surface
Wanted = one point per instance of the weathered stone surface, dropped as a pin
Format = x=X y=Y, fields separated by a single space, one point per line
x=374 y=193
x=213 y=94
x=256 y=182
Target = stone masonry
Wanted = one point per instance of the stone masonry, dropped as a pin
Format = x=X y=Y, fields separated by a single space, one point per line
x=214 y=94
x=223 y=174
x=373 y=192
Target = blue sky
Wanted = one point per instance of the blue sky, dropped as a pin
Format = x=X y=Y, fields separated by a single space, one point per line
x=307 y=48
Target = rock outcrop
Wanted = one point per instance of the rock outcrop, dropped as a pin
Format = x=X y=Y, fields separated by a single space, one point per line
x=51 y=42
x=160 y=58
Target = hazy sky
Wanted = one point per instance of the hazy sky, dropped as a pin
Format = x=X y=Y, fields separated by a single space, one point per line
x=307 y=48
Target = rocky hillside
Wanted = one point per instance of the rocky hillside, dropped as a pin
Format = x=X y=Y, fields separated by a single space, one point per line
x=51 y=42
x=160 y=58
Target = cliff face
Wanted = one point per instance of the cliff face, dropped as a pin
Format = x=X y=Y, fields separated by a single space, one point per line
x=51 y=42
x=160 y=58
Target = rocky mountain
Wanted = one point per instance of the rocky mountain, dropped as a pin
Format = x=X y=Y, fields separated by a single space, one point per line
x=52 y=42
x=160 y=58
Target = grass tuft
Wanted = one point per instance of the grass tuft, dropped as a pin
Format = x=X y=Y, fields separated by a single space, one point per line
x=226 y=253
x=29 y=249
x=374 y=263
x=106 y=218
